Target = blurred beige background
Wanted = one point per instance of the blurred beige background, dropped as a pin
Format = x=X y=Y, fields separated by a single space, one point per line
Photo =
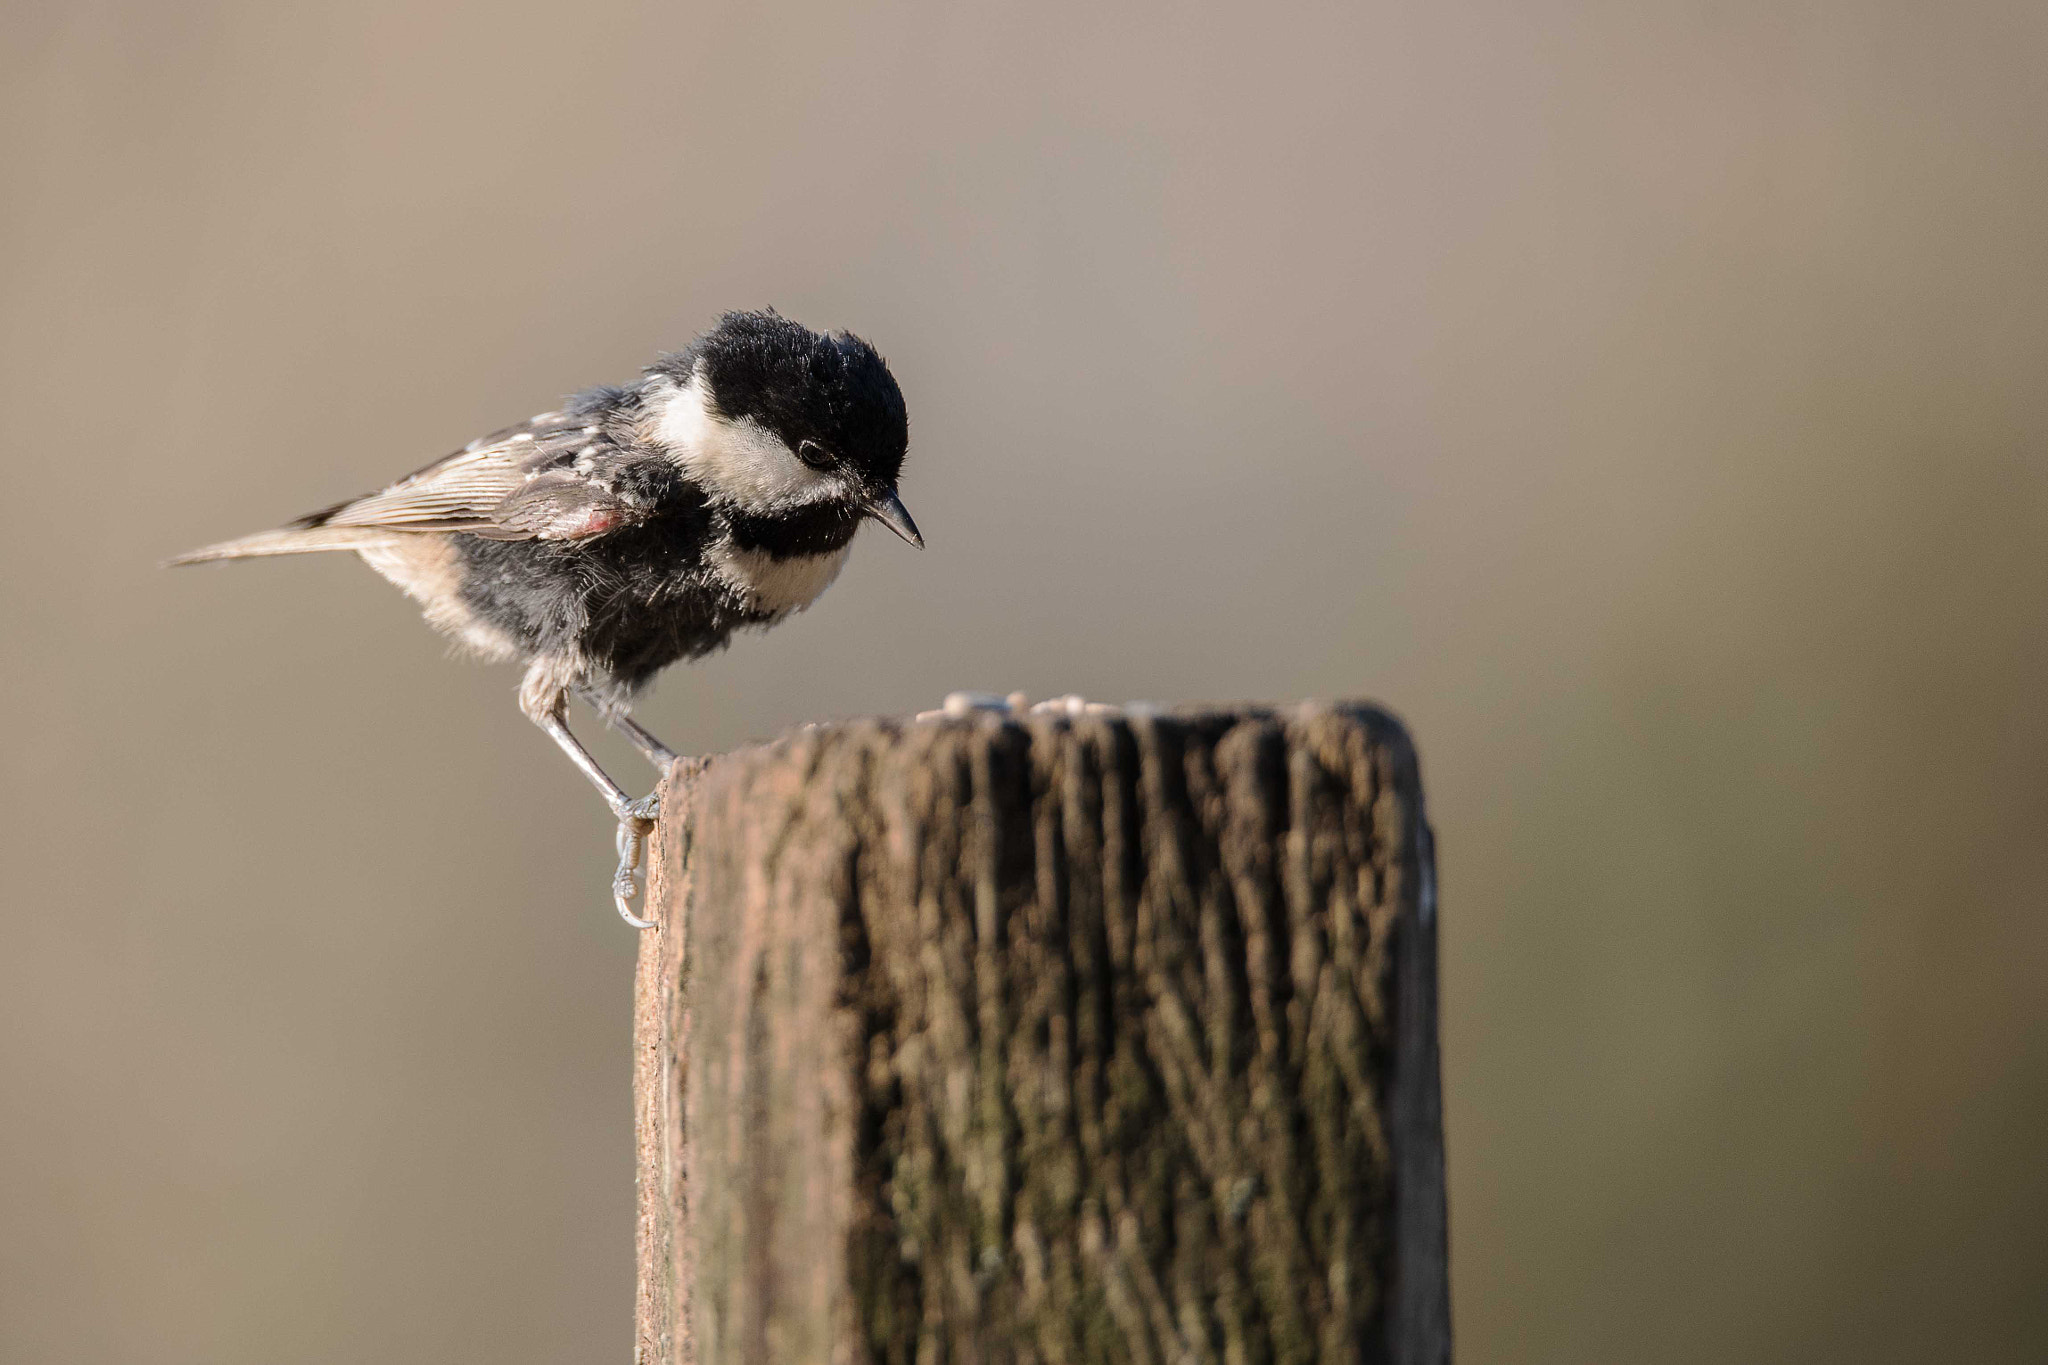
x=1647 y=402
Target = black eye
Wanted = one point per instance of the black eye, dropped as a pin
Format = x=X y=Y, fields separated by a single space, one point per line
x=813 y=454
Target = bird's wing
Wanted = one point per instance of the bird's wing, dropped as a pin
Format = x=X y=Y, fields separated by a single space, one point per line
x=529 y=482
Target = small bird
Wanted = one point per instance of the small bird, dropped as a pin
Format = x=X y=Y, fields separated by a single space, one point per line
x=638 y=525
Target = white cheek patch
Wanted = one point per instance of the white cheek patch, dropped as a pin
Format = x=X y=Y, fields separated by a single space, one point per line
x=741 y=461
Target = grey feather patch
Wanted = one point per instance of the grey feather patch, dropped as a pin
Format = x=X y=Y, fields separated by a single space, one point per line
x=562 y=507
x=465 y=490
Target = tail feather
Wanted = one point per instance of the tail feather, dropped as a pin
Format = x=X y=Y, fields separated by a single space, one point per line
x=290 y=540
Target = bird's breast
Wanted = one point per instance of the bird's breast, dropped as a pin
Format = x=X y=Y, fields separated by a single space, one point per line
x=776 y=585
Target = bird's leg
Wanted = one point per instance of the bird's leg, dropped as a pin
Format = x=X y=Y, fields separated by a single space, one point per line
x=660 y=755
x=543 y=699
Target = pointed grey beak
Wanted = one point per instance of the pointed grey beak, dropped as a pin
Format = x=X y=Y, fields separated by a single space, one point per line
x=890 y=511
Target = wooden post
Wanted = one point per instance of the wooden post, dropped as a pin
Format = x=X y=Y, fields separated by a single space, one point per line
x=1106 y=1037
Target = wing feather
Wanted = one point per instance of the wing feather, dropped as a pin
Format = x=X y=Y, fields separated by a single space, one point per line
x=526 y=482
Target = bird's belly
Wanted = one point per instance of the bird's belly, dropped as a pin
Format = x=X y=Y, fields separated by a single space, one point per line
x=428 y=569
x=775 y=586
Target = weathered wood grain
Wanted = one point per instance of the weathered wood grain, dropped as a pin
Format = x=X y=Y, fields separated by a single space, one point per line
x=1044 y=1039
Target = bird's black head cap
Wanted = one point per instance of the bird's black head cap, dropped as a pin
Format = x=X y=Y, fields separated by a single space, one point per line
x=833 y=391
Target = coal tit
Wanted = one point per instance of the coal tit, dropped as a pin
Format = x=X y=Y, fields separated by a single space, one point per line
x=639 y=525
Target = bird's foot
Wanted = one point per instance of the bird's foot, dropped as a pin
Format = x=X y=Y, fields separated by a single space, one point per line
x=641 y=814
x=636 y=822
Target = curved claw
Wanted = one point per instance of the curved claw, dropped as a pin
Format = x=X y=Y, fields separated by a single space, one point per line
x=625 y=885
x=623 y=900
